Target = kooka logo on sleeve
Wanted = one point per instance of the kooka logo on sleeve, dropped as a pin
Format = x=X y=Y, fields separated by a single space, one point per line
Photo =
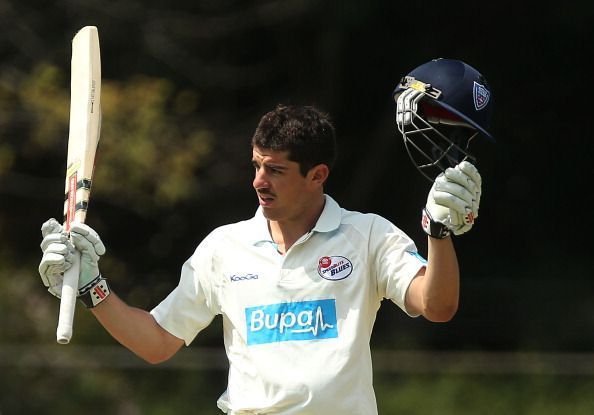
x=334 y=268
x=304 y=320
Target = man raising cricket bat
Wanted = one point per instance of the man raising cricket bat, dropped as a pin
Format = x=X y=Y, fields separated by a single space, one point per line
x=85 y=125
x=299 y=284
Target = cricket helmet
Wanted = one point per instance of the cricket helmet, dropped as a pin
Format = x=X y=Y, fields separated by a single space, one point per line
x=441 y=106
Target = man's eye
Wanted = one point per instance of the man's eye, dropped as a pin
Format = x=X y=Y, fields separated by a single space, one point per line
x=276 y=170
x=268 y=169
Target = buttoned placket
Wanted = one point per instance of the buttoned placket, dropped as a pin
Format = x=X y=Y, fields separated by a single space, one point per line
x=285 y=272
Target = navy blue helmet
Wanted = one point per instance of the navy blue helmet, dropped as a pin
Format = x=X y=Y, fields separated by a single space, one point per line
x=441 y=106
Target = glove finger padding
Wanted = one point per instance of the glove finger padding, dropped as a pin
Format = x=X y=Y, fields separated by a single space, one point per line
x=53 y=238
x=451 y=195
x=86 y=239
x=88 y=242
x=51 y=269
x=51 y=226
x=467 y=176
x=470 y=170
x=454 y=198
x=57 y=256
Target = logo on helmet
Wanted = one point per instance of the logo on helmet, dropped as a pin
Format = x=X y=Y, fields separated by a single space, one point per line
x=481 y=96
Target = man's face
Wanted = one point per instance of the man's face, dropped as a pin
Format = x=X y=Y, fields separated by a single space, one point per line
x=283 y=192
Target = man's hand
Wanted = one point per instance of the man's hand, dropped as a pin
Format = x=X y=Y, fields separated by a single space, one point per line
x=58 y=250
x=453 y=201
x=88 y=242
x=57 y=256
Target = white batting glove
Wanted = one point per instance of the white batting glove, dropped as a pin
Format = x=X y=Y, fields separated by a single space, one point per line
x=88 y=242
x=58 y=250
x=453 y=201
x=57 y=256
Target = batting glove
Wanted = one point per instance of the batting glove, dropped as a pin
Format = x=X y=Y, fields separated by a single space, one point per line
x=57 y=256
x=453 y=201
x=58 y=252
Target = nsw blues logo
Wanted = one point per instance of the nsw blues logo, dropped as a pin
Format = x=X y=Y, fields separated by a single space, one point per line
x=304 y=320
x=481 y=96
x=334 y=268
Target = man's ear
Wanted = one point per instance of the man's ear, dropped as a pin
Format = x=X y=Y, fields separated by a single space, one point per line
x=319 y=174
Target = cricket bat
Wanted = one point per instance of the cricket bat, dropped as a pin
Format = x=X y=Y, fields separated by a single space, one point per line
x=83 y=137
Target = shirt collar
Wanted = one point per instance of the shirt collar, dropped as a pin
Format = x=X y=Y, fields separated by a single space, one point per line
x=328 y=221
x=330 y=218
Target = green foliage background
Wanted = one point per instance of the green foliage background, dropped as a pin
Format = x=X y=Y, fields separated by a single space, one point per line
x=184 y=85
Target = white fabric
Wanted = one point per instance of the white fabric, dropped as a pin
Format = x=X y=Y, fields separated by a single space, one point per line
x=296 y=327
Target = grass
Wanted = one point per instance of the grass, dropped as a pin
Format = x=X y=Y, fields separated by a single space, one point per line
x=164 y=392
x=481 y=394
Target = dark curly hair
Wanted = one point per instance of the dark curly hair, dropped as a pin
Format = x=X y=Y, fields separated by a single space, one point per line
x=306 y=133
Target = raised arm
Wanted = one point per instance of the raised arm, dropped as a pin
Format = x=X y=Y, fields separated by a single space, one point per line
x=452 y=207
x=434 y=292
x=137 y=330
x=134 y=328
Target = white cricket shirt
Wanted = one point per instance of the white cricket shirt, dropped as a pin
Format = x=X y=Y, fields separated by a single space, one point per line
x=296 y=327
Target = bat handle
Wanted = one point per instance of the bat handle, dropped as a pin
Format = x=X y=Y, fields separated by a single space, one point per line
x=68 y=301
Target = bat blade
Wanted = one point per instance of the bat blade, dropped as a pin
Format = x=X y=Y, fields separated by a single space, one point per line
x=83 y=137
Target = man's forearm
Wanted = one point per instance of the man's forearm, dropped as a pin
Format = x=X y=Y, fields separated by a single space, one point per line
x=136 y=329
x=441 y=282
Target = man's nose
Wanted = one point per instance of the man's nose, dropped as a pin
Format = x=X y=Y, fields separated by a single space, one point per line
x=260 y=180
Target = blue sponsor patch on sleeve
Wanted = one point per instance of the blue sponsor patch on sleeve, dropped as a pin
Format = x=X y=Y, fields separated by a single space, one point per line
x=418 y=256
x=304 y=320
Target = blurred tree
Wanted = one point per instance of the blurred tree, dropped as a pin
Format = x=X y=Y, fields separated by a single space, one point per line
x=151 y=144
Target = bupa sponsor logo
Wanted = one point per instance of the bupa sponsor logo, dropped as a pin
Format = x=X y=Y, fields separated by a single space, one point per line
x=334 y=268
x=481 y=96
x=304 y=320
x=243 y=277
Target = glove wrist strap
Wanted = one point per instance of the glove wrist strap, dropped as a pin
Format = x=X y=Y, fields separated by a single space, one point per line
x=432 y=228
x=94 y=292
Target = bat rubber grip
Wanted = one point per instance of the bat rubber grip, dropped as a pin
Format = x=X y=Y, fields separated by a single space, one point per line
x=68 y=301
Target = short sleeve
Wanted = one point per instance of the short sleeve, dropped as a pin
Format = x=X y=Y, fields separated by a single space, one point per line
x=396 y=261
x=189 y=308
